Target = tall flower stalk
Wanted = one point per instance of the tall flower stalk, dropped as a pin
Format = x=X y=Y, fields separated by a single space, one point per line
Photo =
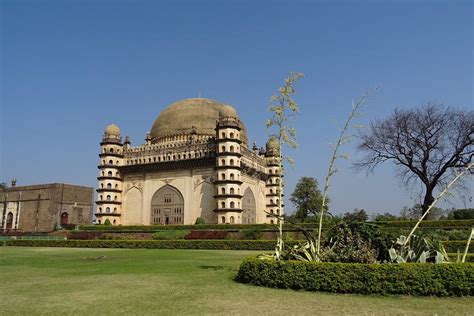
x=446 y=190
x=343 y=139
x=283 y=109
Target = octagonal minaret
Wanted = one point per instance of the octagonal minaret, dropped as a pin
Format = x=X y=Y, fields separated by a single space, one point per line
x=228 y=171
x=273 y=185
x=109 y=192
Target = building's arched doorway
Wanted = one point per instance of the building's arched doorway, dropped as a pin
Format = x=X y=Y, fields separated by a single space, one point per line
x=9 y=221
x=167 y=206
x=249 y=207
x=64 y=218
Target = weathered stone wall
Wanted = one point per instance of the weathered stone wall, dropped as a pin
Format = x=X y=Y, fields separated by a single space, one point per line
x=39 y=207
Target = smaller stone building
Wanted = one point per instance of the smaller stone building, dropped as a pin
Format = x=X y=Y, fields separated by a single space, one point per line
x=40 y=208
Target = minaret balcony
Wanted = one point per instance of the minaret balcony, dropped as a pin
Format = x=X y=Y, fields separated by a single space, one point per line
x=101 y=202
x=233 y=140
x=109 y=190
x=111 y=155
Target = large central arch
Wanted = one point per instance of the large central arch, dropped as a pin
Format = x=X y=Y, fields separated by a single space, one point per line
x=167 y=206
x=249 y=208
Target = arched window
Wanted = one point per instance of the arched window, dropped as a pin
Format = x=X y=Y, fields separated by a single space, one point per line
x=111 y=162
x=232 y=221
x=107 y=210
x=101 y=185
x=222 y=204
x=223 y=148
x=115 y=221
x=115 y=209
x=111 y=150
x=232 y=162
x=100 y=209
x=223 y=176
x=223 y=190
x=109 y=173
x=64 y=218
x=109 y=198
x=109 y=186
x=223 y=162
x=232 y=191
x=231 y=149
x=223 y=219
x=10 y=220
x=223 y=135
x=270 y=171
x=271 y=211
x=232 y=204
x=271 y=201
x=116 y=185
x=99 y=222
x=101 y=197
x=272 y=222
x=231 y=135
x=232 y=176
x=271 y=191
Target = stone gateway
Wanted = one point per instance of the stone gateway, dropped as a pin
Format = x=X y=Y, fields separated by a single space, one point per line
x=195 y=163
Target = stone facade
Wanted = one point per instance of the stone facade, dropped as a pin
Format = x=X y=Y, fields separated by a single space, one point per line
x=39 y=208
x=194 y=163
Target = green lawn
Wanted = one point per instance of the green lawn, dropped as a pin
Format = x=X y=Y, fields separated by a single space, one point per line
x=143 y=281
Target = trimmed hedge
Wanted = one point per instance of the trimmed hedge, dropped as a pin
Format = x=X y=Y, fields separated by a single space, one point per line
x=441 y=224
x=152 y=244
x=455 y=245
x=407 y=279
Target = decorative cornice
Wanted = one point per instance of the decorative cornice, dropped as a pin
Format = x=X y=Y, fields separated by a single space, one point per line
x=168 y=165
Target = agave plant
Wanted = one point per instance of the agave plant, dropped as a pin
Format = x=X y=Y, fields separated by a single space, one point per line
x=417 y=249
x=305 y=252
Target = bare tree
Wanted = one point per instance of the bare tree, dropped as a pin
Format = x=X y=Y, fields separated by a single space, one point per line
x=427 y=145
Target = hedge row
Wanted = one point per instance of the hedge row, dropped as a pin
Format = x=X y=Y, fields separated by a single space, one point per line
x=441 y=224
x=455 y=245
x=152 y=244
x=408 y=279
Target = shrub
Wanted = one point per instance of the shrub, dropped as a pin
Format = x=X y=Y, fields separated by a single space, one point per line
x=348 y=246
x=170 y=234
x=107 y=222
x=407 y=279
x=200 y=221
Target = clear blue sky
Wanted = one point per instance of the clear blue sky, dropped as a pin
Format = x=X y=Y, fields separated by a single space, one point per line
x=69 y=68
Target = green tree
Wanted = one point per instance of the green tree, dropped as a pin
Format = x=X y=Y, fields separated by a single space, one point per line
x=3 y=185
x=356 y=216
x=307 y=198
x=283 y=109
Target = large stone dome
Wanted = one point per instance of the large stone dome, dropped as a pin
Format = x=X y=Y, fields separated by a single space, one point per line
x=197 y=115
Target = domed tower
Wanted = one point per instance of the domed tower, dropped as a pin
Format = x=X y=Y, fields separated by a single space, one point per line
x=273 y=186
x=228 y=166
x=109 y=193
